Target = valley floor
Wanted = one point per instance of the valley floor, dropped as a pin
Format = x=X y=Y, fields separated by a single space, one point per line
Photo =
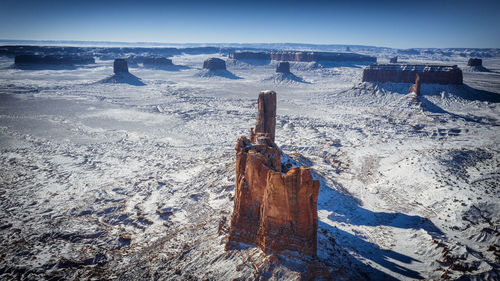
x=122 y=181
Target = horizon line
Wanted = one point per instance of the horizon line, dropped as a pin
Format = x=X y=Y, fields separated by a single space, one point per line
x=226 y=43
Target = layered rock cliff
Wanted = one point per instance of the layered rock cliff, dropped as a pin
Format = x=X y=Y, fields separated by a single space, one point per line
x=274 y=209
x=406 y=73
x=302 y=56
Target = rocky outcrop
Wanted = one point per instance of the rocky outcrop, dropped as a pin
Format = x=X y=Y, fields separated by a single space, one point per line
x=320 y=56
x=393 y=60
x=274 y=209
x=53 y=59
x=415 y=88
x=289 y=216
x=283 y=67
x=120 y=66
x=266 y=116
x=407 y=73
x=475 y=62
x=214 y=64
x=302 y=56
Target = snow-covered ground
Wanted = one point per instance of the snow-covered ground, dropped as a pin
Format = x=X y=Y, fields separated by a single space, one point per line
x=108 y=180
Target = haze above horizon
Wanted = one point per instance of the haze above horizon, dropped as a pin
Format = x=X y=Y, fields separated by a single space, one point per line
x=397 y=24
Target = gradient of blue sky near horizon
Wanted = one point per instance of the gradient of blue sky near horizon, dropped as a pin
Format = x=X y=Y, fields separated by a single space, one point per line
x=388 y=23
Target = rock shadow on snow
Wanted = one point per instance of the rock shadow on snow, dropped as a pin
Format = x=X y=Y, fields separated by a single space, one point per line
x=123 y=78
x=463 y=91
x=284 y=78
x=173 y=67
x=429 y=106
x=223 y=73
x=255 y=62
x=349 y=211
x=373 y=252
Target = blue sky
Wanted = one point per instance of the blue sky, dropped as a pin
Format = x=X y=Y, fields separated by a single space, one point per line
x=399 y=24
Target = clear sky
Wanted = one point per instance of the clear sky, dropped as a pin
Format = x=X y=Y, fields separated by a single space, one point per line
x=399 y=24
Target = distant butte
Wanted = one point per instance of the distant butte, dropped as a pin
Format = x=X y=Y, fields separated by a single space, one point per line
x=214 y=64
x=283 y=67
x=475 y=62
x=120 y=66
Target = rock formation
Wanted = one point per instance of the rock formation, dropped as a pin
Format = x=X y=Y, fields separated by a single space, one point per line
x=475 y=62
x=283 y=67
x=303 y=56
x=289 y=216
x=393 y=60
x=320 y=56
x=406 y=73
x=415 y=88
x=214 y=64
x=274 y=209
x=120 y=66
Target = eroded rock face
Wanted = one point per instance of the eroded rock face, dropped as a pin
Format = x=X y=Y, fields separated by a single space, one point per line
x=214 y=64
x=283 y=67
x=475 y=62
x=266 y=115
x=320 y=56
x=302 y=56
x=407 y=73
x=273 y=210
x=289 y=212
x=120 y=66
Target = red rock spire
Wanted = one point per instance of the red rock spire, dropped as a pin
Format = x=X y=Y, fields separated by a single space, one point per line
x=273 y=210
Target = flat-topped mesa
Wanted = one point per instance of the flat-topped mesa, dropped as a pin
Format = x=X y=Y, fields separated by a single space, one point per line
x=274 y=210
x=475 y=62
x=120 y=66
x=320 y=56
x=214 y=64
x=407 y=73
x=283 y=67
x=302 y=56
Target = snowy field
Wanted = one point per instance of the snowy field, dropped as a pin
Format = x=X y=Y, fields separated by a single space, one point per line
x=127 y=181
